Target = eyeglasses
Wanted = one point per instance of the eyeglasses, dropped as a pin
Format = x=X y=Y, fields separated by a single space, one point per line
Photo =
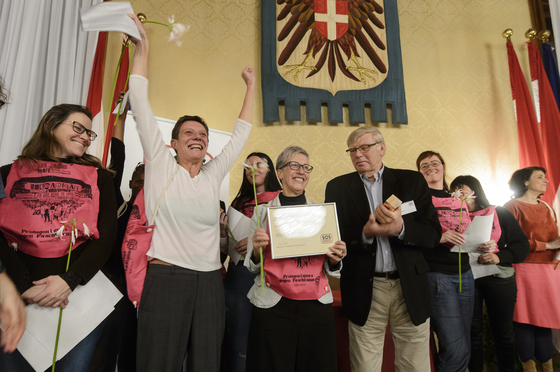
x=79 y=128
x=363 y=149
x=435 y=163
x=294 y=165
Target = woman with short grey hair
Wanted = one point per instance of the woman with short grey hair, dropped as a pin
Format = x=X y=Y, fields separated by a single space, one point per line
x=292 y=327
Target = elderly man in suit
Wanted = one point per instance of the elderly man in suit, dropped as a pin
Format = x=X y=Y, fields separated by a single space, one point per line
x=384 y=275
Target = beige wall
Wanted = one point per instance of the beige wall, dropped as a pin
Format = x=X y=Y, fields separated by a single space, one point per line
x=455 y=71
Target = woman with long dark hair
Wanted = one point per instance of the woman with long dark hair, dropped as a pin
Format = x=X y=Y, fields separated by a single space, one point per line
x=238 y=279
x=508 y=245
x=54 y=181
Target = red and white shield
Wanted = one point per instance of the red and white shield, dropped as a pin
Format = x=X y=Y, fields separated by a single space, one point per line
x=331 y=18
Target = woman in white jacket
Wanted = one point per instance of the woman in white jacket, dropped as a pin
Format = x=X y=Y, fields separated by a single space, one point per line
x=292 y=326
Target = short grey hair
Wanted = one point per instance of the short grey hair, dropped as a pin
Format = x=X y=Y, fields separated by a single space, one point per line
x=353 y=137
x=288 y=153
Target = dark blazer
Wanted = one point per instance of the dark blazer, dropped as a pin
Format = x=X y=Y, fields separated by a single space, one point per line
x=422 y=230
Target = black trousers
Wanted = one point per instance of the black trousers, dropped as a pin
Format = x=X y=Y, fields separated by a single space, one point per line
x=500 y=295
x=182 y=315
x=292 y=336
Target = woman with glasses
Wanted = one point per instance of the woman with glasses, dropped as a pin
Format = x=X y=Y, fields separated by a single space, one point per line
x=451 y=284
x=182 y=308
x=538 y=301
x=238 y=279
x=54 y=181
x=292 y=325
x=507 y=245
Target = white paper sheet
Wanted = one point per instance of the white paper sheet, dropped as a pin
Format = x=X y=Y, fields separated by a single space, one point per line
x=481 y=270
x=239 y=225
x=88 y=306
x=477 y=233
x=109 y=16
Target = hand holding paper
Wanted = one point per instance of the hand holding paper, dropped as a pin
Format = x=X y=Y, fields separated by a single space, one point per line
x=109 y=16
x=477 y=234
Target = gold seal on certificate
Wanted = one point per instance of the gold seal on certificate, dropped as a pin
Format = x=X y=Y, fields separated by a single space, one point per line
x=302 y=230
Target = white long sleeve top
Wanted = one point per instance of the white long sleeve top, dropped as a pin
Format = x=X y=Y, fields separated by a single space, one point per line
x=187 y=232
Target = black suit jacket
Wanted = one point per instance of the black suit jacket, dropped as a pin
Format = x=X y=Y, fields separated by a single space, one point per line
x=422 y=231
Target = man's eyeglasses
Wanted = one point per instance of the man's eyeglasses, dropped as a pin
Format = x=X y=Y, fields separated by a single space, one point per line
x=79 y=128
x=363 y=149
x=435 y=163
x=294 y=165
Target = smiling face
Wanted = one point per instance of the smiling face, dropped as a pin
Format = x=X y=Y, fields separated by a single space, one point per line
x=433 y=171
x=262 y=170
x=537 y=183
x=192 y=142
x=294 y=181
x=71 y=143
x=370 y=161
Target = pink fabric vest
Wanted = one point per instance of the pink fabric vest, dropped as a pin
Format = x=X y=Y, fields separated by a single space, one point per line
x=38 y=200
x=296 y=278
x=496 y=229
x=449 y=213
x=248 y=206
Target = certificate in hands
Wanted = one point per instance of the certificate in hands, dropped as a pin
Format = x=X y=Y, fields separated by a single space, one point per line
x=302 y=230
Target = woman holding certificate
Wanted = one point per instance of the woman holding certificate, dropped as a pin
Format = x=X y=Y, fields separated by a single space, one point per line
x=238 y=280
x=507 y=245
x=538 y=301
x=292 y=326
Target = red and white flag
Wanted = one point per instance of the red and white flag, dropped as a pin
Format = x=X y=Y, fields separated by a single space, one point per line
x=120 y=85
x=530 y=148
x=95 y=95
x=548 y=118
x=331 y=18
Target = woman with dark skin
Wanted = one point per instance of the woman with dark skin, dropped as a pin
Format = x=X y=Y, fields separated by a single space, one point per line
x=508 y=245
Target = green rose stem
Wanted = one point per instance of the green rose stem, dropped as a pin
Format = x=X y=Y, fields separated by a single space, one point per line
x=460 y=216
x=60 y=313
x=116 y=74
x=253 y=171
x=233 y=237
x=168 y=25
x=118 y=66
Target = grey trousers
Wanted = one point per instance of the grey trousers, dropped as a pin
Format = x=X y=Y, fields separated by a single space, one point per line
x=182 y=315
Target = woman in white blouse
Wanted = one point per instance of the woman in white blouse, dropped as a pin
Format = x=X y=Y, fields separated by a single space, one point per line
x=182 y=311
